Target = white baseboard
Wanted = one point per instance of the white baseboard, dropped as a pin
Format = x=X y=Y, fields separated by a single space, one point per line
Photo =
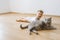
x=47 y=14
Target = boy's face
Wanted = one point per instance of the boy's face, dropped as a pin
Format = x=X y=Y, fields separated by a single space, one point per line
x=39 y=14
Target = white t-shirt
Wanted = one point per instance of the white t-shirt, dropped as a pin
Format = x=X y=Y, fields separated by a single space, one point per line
x=30 y=19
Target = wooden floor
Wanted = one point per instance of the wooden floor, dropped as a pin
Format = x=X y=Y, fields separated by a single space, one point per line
x=9 y=29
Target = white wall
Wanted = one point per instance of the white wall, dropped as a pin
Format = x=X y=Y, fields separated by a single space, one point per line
x=4 y=6
x=51 y=7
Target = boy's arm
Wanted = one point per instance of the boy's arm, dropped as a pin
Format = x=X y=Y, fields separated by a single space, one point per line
x=23 y=20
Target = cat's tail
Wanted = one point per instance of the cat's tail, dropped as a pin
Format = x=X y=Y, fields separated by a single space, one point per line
x=23 y=27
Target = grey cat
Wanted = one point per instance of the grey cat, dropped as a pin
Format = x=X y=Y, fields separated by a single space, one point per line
x=46 y=25
x=37 y=25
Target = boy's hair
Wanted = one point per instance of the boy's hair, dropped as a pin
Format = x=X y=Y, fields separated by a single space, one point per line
x=40 y=11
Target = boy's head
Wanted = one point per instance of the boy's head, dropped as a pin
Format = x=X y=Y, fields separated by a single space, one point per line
x=39 y=13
